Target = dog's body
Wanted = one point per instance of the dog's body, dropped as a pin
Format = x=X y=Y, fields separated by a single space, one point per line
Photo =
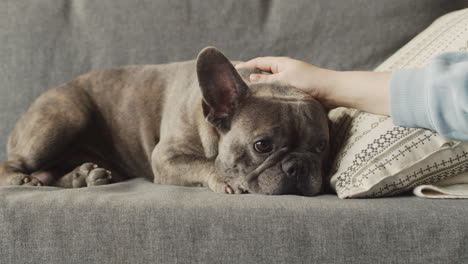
x=191 y=123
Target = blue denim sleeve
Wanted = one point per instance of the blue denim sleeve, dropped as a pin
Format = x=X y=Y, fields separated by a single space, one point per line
x=434 y=97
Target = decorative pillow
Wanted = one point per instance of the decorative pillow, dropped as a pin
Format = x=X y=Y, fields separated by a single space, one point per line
x=375 y=158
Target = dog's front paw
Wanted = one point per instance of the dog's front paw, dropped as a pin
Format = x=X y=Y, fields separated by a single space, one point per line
x=222 y=185
x=89 y=174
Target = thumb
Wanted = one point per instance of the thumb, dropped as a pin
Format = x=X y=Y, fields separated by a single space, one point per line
x=262 y=77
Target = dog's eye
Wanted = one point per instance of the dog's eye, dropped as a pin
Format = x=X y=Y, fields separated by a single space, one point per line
x=321 y=146
x=263 y=146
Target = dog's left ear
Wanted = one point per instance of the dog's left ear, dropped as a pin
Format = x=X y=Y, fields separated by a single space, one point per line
x=222 y=87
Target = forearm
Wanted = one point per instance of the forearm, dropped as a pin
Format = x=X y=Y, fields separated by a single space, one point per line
x=366 y=91
x=433 y=97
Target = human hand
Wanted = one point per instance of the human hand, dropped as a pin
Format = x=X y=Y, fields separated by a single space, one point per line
x=366 y=91
x=316 y=81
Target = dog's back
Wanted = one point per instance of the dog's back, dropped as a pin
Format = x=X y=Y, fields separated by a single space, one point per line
x=110 y=115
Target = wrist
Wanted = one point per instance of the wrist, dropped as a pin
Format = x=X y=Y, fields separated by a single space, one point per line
x=366 y=91
x=331 y=86
x=342 y=93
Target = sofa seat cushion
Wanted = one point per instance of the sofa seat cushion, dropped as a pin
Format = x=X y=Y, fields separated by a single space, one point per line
x=140 y=222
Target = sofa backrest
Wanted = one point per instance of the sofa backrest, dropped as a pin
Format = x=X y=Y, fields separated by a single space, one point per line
x=47 y=42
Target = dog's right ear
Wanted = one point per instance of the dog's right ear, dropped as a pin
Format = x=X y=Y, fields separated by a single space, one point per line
x=221 y=85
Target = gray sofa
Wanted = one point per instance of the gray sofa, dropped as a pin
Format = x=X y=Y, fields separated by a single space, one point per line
x=46 y=42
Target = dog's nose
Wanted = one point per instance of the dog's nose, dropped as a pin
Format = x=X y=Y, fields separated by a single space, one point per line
x=293 y=168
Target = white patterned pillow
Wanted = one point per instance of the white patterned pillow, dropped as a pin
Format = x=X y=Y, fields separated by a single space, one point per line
x=375 y=158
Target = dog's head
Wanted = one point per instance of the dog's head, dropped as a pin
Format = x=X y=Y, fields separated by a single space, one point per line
x=274 y=139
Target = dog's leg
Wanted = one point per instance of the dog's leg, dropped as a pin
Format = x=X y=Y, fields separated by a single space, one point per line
x=44 y=132
x=174 y=167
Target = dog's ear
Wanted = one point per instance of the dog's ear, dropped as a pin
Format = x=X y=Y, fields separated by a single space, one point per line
x=222 y=87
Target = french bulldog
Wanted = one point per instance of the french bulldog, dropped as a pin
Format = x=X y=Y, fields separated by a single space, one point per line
x=195 y=123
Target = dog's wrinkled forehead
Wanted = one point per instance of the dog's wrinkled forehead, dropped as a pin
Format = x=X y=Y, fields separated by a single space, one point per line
x=296 y=111
x=287 y=108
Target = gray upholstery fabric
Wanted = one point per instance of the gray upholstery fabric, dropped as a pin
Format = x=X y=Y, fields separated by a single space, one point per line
x=46 y=42
x=139 y=222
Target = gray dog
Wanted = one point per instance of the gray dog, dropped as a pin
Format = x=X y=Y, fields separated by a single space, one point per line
x=196 y=123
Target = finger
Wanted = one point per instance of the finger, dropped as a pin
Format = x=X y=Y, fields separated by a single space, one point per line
x=268 y=64
x=262 y=77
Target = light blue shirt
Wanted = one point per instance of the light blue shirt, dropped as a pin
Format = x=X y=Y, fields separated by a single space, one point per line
x=434 y=97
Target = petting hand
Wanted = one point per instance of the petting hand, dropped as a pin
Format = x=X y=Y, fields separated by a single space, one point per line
x=366 y=91
x=306 y=77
